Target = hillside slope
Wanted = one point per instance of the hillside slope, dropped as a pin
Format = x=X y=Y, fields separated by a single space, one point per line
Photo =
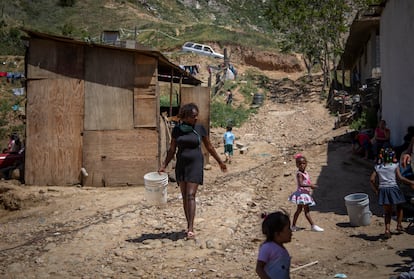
x=163 y=25
x=159 y=24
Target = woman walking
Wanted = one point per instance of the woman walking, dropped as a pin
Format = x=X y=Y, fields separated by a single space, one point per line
x=187 y=138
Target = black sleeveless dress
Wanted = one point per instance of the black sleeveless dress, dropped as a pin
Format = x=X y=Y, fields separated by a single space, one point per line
x=190 y=160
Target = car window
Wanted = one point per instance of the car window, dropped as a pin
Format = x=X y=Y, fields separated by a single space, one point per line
x=188 y=44
x=198 y=47
x=208 y=49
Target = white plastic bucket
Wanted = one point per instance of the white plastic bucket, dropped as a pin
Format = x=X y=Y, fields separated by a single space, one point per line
x=357 y=206
x=156 y=187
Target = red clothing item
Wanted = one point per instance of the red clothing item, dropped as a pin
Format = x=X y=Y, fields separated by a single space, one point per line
x=362 y=139
x=380 y=134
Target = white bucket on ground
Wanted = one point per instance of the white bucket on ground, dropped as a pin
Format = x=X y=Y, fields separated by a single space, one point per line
x=357 y=206
x=156 y=187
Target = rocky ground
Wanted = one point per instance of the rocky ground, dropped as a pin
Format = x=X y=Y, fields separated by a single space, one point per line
x=75 y=232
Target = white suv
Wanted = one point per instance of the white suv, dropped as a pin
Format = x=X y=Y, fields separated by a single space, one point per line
x=201 y=49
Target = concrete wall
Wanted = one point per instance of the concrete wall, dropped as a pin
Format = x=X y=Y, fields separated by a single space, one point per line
x=397 y=66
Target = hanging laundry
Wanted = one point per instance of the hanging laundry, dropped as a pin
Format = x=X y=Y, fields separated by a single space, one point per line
x=18 y=91
x=229 y=75
x=196 y=69
x=18 y=75
x=192 y=69
x=231 y=67
x=11 y=76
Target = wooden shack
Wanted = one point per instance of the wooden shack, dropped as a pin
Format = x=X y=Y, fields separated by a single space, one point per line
x=96 y=107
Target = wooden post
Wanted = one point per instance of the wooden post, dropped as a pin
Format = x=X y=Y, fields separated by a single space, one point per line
x=226 y=59
x=171 y=90
x=226 y=64
x=179 y=91
x=343 y=75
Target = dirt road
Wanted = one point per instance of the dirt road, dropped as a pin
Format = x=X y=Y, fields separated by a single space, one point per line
x=74 y=232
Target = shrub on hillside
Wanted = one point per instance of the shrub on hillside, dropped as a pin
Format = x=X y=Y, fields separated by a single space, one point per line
x=67 y=3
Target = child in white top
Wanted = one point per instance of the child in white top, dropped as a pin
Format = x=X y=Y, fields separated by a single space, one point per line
x=273 y=260
x=389 y=194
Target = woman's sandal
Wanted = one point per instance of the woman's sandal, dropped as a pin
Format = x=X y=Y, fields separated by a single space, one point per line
x=400 y=228
x=387 y=235
x=190 y=235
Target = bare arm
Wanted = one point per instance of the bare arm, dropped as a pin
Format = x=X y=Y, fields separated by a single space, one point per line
x=301 y=184
x=170 y=155
x=406 y=155
x=212 y=151
x=387 y=133
x=404 y=179
x=260 y=270
x=299 y=177
x=373 y=182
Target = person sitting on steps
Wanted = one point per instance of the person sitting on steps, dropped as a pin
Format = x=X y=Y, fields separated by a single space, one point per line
x=381 y=137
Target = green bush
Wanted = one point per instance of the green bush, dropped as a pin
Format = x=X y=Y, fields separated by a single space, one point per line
x=67 y=3
x=10 y=41
x=367 y=120
x=223 y=115
x=68 y=29
x=360 y=122
x=165 y=100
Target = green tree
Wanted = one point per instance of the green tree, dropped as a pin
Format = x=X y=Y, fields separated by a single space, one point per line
x=314 y=28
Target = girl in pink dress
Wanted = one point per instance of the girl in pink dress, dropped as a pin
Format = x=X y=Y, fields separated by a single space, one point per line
x=302 y=197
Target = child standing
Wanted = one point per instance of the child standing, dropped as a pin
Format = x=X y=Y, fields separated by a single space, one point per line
x=229 y=97
x=389 y=194
x=228 y=140
x=302 y=197
x=273 y=260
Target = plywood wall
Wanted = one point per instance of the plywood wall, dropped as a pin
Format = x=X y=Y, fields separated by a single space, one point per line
x=109 y=83
x=107 y=107
x=53 y=131
x=121 y=140
x=51 y=59
x=119 y=157
x=201 y=97
x=146 y=92
x=92 y=107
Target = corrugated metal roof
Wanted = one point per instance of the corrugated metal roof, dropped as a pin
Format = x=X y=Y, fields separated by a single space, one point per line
x=166 y=69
